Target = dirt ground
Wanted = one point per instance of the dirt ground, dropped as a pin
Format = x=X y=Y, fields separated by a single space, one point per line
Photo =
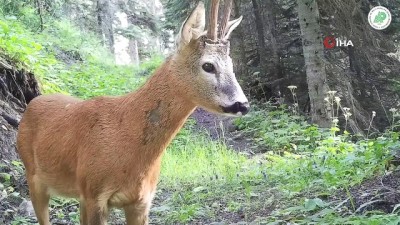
x=379 y=193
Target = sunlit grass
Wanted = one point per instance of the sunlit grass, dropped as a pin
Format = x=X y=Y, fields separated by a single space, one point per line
x=193 y=158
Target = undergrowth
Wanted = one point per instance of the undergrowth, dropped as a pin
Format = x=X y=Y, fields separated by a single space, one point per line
x=293 y=182
x=66 y=59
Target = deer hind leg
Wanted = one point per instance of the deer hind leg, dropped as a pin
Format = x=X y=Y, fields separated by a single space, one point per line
x=93 y=212
x=40 y=199
x=83 y=214
x=136 y=215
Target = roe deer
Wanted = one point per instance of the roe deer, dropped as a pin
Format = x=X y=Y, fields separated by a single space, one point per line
x=107 y=151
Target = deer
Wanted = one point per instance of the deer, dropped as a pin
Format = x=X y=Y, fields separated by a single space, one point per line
x=106 y=151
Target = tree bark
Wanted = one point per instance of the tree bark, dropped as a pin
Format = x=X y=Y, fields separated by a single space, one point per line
x=242 y=45
x=262 y=51
x=134 y=52
x=40 y=13
x=105 y=17
x=122 y=45
x=276 y=72
x=313 y=56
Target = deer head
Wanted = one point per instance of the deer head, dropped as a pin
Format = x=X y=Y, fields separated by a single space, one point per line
x=203 y=66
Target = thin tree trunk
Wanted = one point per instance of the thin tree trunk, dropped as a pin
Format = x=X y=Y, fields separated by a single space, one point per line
x=242 y=45
x=262 y=51
x=276 y=72
x=122 y=45
x=313 y=55
x=157 y=40
x=40 y=12
x=134 y=51
x=105 y=22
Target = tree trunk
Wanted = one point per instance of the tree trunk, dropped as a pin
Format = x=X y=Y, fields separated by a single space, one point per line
x=105 y=21
x=157 y=12
x=262 y=51
x=313 y=55
x=242 y=46
x=40 y=13
x=122 y=45
x=134 y=52
x=271 y=26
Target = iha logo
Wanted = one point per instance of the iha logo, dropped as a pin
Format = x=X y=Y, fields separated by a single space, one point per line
x=332 y=42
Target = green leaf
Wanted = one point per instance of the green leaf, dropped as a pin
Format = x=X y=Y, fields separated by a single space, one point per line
x=199 y=189
x=6 y=176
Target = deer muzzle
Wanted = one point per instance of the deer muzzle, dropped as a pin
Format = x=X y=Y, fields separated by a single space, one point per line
x=238 y=107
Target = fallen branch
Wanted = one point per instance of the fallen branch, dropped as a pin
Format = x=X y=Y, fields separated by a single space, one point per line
x=368 y=204
x=10 y=120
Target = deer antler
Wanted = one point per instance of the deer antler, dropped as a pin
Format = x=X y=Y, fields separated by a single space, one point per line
x=213 y=23
x=226 y=16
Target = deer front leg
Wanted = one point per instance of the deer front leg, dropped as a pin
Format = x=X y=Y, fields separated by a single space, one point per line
x=94 y=212
x=136 y=215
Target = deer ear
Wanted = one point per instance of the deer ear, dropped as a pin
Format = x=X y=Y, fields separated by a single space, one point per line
x=193 y=27
x=232 y=26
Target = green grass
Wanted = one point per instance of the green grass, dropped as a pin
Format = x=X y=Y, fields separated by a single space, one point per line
x=193 y=158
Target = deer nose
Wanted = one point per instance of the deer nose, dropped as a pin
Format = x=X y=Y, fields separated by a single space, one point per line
x=242 y=107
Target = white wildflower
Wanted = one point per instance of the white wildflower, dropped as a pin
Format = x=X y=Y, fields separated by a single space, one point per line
x=347 y=115
x=337 y=100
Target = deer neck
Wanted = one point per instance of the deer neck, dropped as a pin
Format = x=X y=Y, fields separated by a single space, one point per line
x=156 y=112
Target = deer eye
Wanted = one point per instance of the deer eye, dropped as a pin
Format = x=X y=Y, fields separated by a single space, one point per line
x=208 y=67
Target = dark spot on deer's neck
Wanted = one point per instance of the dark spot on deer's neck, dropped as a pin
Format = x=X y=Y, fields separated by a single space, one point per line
x=154 y=115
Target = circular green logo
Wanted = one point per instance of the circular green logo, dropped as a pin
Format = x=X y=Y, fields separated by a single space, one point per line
x=379 y=17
